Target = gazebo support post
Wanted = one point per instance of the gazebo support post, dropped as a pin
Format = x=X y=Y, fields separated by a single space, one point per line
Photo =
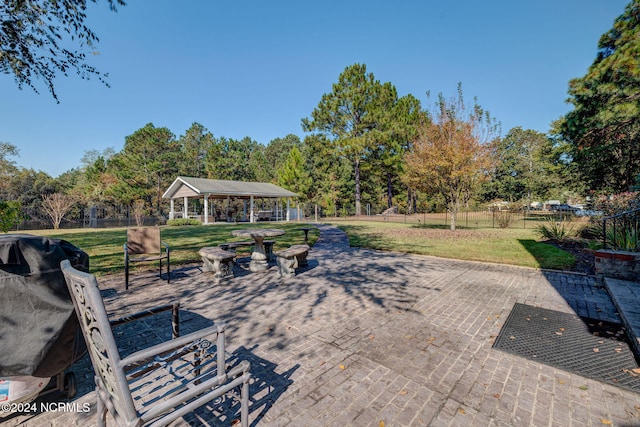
x=288 y=205
x=185 y=207
x=251 y=217
x=206 y=209
x=171 y=211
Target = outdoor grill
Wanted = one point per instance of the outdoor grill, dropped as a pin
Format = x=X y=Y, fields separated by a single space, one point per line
x=39 y=331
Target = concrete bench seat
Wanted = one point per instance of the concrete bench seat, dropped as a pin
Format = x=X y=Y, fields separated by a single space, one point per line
x=291 y=258
x=218 y=261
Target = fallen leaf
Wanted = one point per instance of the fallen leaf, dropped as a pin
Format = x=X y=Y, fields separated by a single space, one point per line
x=584 y=387
x=371 y=337
x=322 y=363
x=512 y=337
x=403 y=392
x=561 y=381
x=342 y=367
x=636 y=371
x=461 y=411
x=497 y=395
x=618 y=349
x=562 y=329
x=596 y=350
x=408 y=336
x=605 y=421
x=381 y=424
x=558 y=333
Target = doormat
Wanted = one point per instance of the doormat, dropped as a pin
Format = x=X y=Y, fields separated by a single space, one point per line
x=587 y=347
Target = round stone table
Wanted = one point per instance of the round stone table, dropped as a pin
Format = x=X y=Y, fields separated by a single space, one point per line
x=258 y=256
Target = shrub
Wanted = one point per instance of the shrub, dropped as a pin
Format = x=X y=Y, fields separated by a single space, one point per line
x=625 y=239
x=555 y=230
x=10 y=215
x=504 y=218
x=183 y=221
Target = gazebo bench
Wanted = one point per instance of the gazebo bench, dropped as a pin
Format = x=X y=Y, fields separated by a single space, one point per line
x=218 y=261
x=291 y=258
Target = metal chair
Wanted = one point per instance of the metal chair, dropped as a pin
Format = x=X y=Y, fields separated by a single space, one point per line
x=145 y=241
x=157 y=385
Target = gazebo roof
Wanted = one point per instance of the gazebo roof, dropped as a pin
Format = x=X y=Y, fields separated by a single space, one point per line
x=218 y=188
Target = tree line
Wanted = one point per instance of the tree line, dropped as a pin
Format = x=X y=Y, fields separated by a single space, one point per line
x=368 y=146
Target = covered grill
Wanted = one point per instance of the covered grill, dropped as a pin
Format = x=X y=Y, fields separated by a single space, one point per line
x=39 y=330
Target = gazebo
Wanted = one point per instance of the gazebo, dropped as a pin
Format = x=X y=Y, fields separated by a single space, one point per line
x=186 y=188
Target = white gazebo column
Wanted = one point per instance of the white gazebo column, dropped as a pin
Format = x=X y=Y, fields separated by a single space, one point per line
x=171 y=212
x=251 y=218
x=288 y=204
x=185 y=208
x=206 y=209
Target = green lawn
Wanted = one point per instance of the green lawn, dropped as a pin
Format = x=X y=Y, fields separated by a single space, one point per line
x=507 y=246
x=105 y=246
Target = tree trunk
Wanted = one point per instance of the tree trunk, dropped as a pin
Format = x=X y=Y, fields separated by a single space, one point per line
x=357 y=180
x=453 y=219
x=454 y=207
x=389 y=191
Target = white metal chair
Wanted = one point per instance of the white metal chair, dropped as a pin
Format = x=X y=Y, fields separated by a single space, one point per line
x=157 y=385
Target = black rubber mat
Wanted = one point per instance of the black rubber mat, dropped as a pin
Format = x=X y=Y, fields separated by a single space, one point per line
x=587 y=347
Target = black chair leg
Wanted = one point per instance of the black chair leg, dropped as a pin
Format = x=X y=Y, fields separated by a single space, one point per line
x=126 y=275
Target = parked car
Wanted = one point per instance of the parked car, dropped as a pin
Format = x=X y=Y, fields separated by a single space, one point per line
x=588 y=212
x=563 y=207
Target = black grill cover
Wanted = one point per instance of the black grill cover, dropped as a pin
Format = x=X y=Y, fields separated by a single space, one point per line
x=39 y=330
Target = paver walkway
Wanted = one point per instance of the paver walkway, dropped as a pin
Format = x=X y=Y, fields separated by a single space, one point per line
x=366 y=338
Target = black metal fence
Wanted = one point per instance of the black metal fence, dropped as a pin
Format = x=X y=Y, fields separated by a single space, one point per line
x=620 y=232
x=470 y=218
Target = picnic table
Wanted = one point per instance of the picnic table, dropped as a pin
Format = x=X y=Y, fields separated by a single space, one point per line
x=259 y=260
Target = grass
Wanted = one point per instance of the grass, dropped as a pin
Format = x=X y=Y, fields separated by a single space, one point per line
x=105 y=246
x=506 y=246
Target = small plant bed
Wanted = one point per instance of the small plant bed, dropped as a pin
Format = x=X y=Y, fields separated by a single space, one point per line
x=585 y=258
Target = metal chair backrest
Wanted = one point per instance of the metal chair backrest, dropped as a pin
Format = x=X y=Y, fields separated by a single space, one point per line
x=143 y=240
x=101 y=344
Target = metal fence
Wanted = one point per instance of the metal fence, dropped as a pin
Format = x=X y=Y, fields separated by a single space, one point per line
x=470 y=218
x=620 y=232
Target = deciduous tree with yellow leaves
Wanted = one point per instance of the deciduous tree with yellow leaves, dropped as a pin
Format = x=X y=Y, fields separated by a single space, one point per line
x=450 y=155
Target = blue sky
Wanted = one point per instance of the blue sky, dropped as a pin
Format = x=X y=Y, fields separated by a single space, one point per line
x=256 y=68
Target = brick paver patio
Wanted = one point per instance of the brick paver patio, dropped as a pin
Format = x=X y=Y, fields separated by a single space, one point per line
x=365 y=338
